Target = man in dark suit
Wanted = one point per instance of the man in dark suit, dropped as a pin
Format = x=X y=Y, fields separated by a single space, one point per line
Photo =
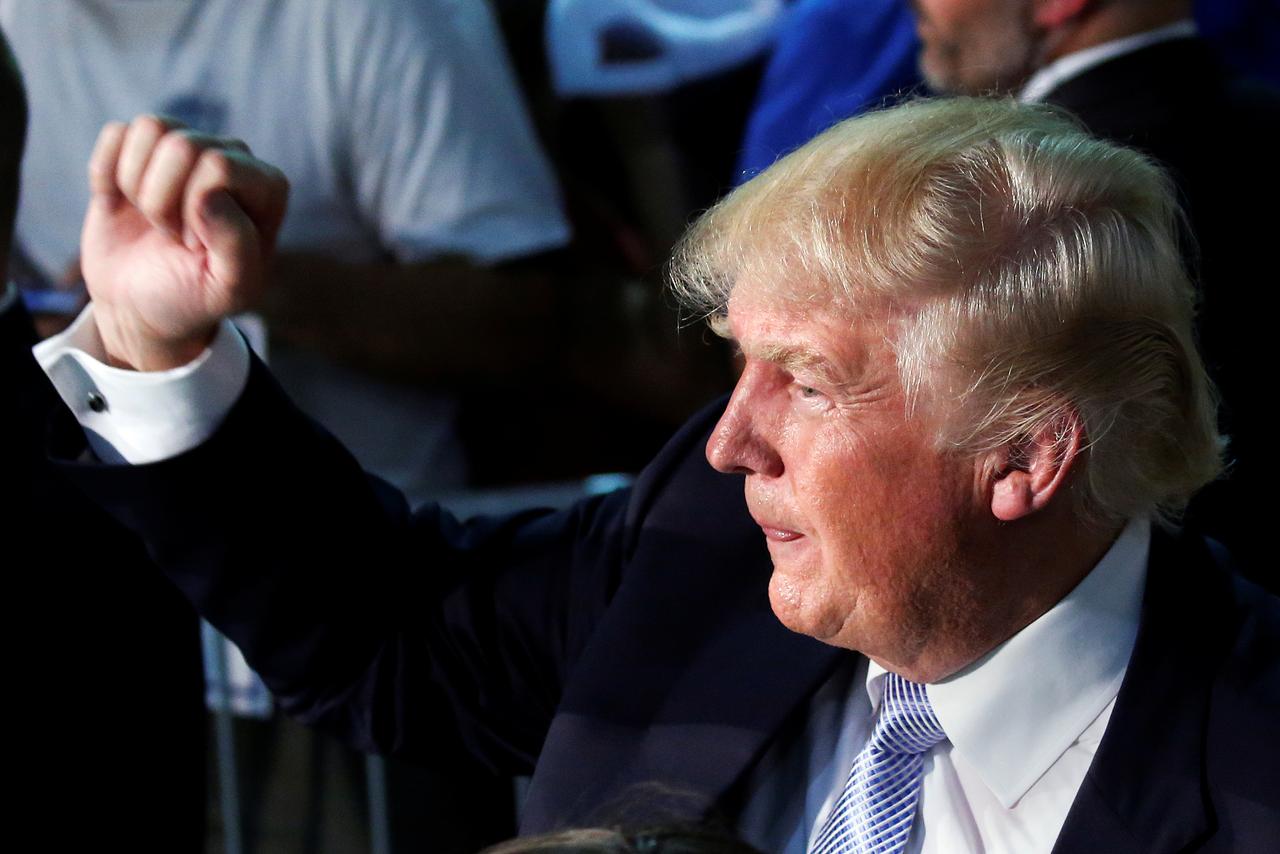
x=1135 y=71
x=112 y=681
x=970 y=396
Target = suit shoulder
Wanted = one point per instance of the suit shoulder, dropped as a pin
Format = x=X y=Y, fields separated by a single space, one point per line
x=1253 y=663
x=680 y=473
x=1245 y=707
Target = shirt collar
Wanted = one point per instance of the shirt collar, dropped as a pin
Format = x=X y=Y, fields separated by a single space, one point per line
x=1072 y=65
x=1012 y=713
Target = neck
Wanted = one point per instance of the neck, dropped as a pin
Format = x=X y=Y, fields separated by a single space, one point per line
x=1104 y=22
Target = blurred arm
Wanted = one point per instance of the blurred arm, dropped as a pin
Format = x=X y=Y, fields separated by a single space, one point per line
x=430 y=321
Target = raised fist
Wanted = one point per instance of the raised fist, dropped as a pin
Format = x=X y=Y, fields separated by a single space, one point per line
x=178 y=235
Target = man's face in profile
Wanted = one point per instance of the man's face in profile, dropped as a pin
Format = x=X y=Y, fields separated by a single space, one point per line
x=976 y=47
x=867 y=520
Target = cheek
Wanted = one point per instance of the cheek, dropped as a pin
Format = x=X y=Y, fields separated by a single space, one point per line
x=880 y=507
x=858 y=487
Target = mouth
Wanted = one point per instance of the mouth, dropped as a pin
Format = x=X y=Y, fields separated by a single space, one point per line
x=779 y=535
x=775 y=530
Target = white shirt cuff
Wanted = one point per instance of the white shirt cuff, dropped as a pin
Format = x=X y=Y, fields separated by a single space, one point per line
x=143 y=417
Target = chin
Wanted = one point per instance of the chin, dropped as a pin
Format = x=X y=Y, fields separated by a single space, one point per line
x=944 y=76
x=798 y=604
x=935 y=72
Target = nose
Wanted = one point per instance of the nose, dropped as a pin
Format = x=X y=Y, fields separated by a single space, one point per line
x=739 y=444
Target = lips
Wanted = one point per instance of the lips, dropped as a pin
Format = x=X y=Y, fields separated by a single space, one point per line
x=775 y=530
x=777 y=534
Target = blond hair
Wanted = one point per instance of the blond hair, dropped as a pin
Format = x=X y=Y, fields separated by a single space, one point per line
x=1032 y=270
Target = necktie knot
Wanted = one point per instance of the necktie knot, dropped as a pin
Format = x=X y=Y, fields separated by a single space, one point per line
x=906 y=723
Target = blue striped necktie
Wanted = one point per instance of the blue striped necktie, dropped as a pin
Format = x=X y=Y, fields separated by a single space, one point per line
x=877 y=807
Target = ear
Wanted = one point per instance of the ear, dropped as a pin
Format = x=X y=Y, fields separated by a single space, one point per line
x=1028 y=475
x=1051 y=14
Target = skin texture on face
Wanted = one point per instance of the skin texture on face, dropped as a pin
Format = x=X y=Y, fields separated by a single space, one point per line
x=869 y=524
x=977 y=47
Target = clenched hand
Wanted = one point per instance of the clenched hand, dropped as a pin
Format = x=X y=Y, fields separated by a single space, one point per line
x=178 y=235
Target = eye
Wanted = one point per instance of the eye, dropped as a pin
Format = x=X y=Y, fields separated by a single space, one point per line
x=808 y=398
x=811 y=395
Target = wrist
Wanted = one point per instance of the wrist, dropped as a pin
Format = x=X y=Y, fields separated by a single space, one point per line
x=131 y=345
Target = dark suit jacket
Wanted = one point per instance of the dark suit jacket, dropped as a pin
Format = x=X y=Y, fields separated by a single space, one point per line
x=629 y=639
x=105 y=674
x=1217 y=135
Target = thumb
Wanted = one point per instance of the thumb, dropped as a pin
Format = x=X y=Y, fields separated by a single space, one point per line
x=233 y=248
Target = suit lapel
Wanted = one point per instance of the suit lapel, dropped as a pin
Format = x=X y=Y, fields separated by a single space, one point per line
x=1145 y=790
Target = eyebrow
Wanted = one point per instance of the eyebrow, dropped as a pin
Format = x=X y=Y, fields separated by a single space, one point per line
x=794 y=358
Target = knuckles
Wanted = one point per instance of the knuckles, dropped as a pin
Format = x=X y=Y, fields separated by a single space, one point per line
x=179 y=145
x=215 y=163
x=152 y=126
x=160 y=161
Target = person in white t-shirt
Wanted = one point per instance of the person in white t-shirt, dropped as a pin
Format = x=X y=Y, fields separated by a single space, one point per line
x=415 y=172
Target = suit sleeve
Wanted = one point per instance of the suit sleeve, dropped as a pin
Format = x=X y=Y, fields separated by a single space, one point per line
x=404 y=633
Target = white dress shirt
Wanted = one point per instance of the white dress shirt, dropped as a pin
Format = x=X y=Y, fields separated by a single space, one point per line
x=1023 y=722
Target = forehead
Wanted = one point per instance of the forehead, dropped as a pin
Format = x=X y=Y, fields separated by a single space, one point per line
x=801 y=335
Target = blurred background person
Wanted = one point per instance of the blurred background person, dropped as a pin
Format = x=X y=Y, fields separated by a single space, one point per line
x=656 y=840
x=831 y=59
x=416 y=178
